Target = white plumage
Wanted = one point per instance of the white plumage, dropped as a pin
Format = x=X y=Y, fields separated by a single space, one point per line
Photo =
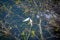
x=28 y=19
x=31 y=22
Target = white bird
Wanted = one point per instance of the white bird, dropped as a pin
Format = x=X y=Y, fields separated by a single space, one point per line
x=28 y=19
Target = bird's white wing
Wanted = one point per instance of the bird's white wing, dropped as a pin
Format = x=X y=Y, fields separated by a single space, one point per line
x=27 y=19
x=31 y=22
